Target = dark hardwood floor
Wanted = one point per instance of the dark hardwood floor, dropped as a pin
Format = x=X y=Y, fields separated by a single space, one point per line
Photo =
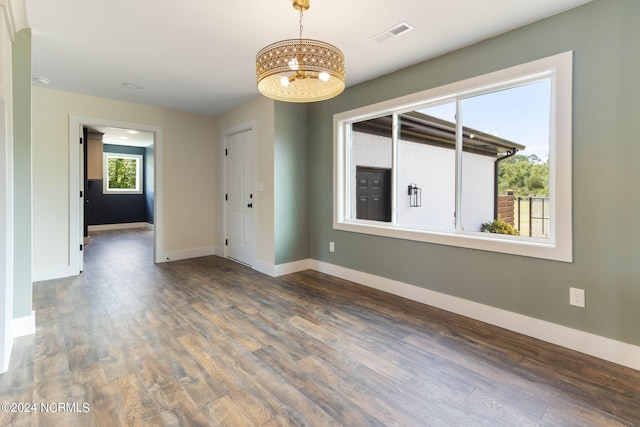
x=211 y=342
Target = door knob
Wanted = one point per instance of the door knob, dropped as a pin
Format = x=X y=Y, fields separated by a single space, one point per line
x=250 y=205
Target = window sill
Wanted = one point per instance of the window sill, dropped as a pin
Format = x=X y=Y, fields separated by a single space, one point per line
x=512 y=245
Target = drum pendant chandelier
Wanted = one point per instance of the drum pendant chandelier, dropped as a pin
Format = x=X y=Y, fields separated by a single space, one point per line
x=300 y=70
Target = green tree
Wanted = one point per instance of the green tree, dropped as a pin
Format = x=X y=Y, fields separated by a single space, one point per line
x=122 y=173
x=527 y=176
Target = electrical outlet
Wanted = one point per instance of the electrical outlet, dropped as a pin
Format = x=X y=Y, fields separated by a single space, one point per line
x=576 y=297
x=332 y=247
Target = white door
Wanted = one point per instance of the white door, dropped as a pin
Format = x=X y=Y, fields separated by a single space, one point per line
x=240 y=195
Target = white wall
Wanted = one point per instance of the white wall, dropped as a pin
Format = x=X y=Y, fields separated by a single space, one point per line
x=432 y=169
x=188 y=168
x=260 y=112
x=478 y=188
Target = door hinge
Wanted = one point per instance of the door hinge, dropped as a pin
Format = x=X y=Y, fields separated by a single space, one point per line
x=80 y=193
x=80 y=140
x=226 y=197
x=81 y=248
x=226 y=152
x=226 y=242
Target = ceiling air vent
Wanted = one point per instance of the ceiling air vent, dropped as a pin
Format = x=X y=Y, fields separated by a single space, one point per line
x=394 y=31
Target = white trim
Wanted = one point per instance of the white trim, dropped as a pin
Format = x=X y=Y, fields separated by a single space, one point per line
x=584 y=342
x=188 y=253
x=264 y=267
x=15 y=16
x=559 y=247
x=23 y=326
x=292 y=267
x=121 y=226
x=50 y=273
x=281 y=269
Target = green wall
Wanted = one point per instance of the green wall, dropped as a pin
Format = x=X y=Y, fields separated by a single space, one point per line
x=291 y=189
x=21 y=57
x=605 y=38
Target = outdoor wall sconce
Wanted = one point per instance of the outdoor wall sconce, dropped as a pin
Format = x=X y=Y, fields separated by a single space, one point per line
x=415 y=196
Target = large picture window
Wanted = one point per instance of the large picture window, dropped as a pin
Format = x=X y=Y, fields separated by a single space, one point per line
x=122 y=173
x=484 y=163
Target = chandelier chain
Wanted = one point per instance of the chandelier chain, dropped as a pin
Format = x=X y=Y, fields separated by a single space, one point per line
x=301 y=13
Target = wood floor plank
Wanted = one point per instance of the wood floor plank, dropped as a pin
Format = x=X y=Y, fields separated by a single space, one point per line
x=257 y=404
x=197 y=384
x=231 y=325
x=175 y=406
x=359 y=394
x=325 y=402
x=93 y=389
x=505 y=410
x=567 y=414
x=363 y=356
x=207 y=341
x=133 y=403
x=225 y=413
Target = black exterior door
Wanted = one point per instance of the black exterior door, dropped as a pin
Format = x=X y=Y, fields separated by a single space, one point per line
x=373 y=194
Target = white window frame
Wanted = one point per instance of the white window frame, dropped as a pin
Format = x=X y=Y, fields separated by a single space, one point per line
x=105 y=172
x=559 y=246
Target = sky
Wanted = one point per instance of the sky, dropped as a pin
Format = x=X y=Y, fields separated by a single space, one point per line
x=519 y=114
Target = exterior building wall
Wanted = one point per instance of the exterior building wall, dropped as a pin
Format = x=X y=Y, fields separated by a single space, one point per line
x=432 y=169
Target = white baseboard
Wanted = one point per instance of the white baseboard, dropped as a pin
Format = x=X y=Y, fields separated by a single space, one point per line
x=594 y=345
x=188 y=253
x=122 y=226
x=5 y=355
x=280 y=269
x=23 y=326
x=40 y=274
x=291 y=267
x=264 y=267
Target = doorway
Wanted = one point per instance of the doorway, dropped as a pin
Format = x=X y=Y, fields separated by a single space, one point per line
x=77 y=181
x=240 y=196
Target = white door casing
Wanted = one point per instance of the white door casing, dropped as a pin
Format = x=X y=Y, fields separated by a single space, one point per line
x=82 y=199
x=76 y=183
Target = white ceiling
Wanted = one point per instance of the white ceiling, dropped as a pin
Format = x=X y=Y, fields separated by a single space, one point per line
x=119 y=136
x=199 y=55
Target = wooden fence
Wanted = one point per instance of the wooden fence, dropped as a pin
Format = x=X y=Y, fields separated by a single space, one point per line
x=529 y=215
x=505 y=208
